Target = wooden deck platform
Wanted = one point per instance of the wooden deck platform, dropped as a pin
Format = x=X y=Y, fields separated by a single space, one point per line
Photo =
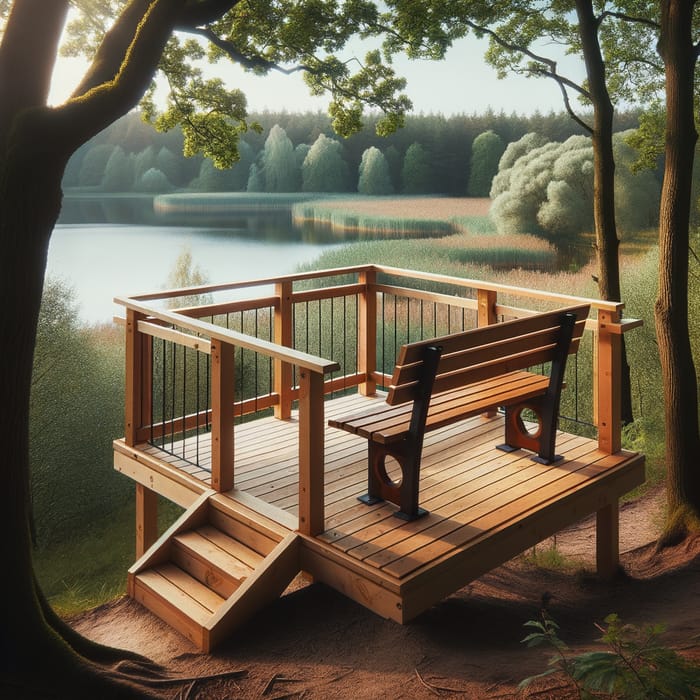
x=485 y=506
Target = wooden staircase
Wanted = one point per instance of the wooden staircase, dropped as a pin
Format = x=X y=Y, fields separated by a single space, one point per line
x=214 y=568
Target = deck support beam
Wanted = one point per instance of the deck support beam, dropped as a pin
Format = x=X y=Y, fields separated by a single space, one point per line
x=311 y=453
x=146 y=519
x=607 y=548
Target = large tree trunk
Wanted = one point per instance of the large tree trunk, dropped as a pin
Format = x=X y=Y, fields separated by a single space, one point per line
x=671 y=310
x=607 y=241
x=36 y=658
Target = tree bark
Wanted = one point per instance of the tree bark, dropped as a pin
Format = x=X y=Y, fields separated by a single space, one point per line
x=607 y=242
x=671 y=309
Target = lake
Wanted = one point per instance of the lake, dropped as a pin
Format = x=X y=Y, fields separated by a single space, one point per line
x=103 y=259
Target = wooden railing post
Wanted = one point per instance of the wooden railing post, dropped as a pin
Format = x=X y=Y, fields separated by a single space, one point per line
x=133 y=394
x=311 y=452
x=222 y=398
x=146 y=519
x=367 y=333
x=486 y=316
x=283 y=336
x=608 y=381
x=486 y=307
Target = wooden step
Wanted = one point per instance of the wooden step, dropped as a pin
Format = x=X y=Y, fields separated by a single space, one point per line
x=178 y=598
x=213 y=558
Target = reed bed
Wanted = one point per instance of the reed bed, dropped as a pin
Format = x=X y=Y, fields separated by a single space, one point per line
x=225 y=202
x=390 y=217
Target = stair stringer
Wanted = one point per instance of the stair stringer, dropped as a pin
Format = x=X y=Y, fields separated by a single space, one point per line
x=262 y=587
x=159 y=552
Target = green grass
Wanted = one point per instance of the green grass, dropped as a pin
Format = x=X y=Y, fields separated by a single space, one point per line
x=90 y=568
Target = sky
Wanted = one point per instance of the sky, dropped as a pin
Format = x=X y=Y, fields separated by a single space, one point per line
x=461 y=84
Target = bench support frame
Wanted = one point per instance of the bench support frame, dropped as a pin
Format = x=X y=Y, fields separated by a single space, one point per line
x=545 y=407
x=407 y=452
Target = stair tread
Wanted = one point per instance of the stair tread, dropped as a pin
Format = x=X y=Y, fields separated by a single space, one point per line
x=204 y=595
x=199 y=546
x=231 y=545
x=173 y=595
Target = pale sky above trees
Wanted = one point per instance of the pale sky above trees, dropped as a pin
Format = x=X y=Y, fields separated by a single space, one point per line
x=463 y=83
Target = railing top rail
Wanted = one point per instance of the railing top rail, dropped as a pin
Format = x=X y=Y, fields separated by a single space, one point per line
x=566 y=299
x=225 y=335
x=230 y=286
x=498 y=287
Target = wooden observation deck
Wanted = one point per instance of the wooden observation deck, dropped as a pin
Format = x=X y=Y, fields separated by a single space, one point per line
x=227 y=404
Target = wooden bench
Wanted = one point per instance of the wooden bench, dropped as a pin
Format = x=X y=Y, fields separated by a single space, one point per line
x=444 y=380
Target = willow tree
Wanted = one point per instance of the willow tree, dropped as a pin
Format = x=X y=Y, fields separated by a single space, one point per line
x=127 y=43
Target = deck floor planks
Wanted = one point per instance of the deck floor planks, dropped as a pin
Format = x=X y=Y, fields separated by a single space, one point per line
x=467 y=485
x=466 y=502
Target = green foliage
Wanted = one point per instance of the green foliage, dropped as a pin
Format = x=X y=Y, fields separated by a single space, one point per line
x=417 y=174
x=548 y=189
x=94 y=164
x=634 y=666
x=185 y=273
x=280 y=169
x=153 y=180
x=374 y=178
x=487 y=149
x=76 y=412
x=324 y=169
x=119 y=172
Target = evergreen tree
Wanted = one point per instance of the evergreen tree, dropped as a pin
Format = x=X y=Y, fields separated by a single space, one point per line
x=93 y=167
x=374 y=175
x=487 y=149
x=154 y=181
x=279 y=164
x=324 y=169
x=119 y=172
x=170 y=165
x=417 y=175
x=255 y=179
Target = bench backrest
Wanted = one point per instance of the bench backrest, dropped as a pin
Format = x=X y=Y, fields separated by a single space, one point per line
x=484 y=353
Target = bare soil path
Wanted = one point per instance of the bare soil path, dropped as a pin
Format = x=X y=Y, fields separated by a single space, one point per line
x=314 y=643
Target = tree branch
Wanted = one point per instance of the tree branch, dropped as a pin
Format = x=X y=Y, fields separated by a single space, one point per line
x=85 y=115
x=629 y=18
x=551 y=65
x=251 y=62
x=200 y=13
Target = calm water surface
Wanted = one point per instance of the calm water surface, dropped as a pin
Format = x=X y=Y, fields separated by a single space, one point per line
x=103 y=260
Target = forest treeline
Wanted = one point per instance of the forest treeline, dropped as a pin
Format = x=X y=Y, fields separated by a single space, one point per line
x=431 y=154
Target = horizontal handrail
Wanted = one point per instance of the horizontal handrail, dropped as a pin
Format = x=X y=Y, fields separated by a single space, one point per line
x=225 y=335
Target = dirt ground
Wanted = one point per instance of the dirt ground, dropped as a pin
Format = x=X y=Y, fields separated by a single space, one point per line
x=314 y=643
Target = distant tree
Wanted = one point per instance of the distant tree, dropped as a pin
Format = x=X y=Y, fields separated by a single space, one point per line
x=637 y=192
x=300 y=153
x=487 y=149
x=119 y=172
x=93 y=167
x=145 y=160
x=279 y=164
x=324 y=169
x=154 y=181
x=238 y=174
x=255 y=179
x=213 y=179
x=170 y=165
x=513 y=151
x=374 y=178
x=186 y=273
x=417 y=175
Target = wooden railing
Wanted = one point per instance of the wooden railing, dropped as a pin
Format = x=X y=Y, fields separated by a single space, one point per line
x=193 y=372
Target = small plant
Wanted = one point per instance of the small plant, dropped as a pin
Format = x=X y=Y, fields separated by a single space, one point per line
x=634 y=666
